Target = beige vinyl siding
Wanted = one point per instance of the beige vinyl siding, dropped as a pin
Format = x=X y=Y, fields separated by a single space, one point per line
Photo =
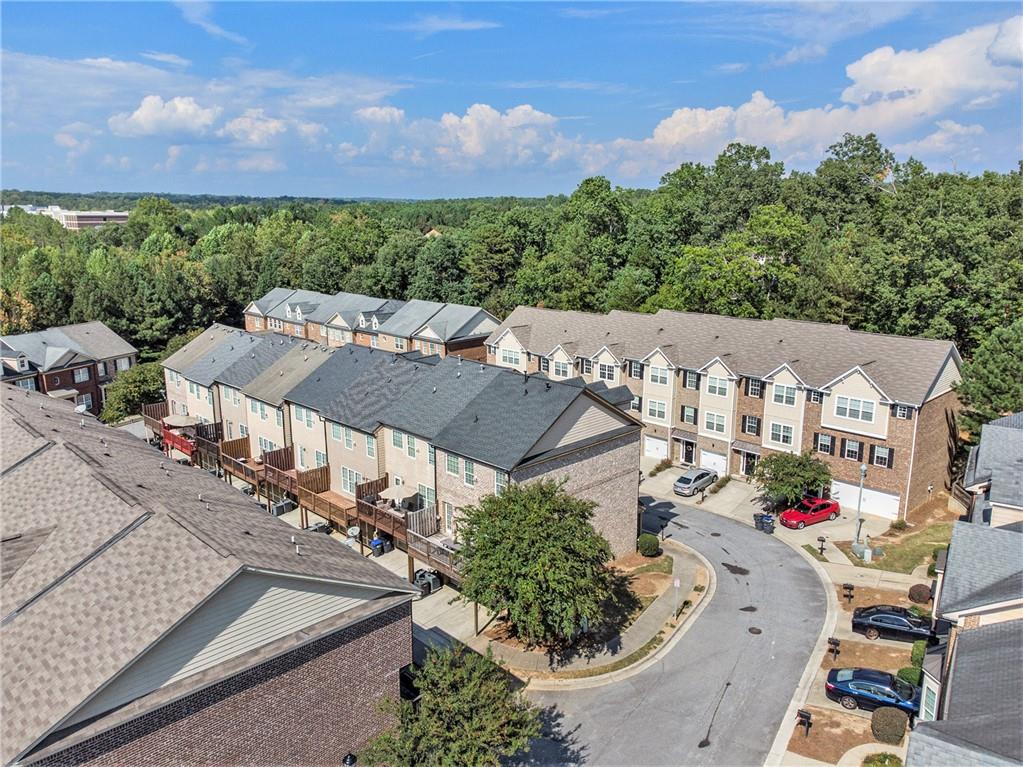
x=858 y=387
x=583 y=419
x=714 y=403
x=948 y=378
x=782 y=414
x=249 y=612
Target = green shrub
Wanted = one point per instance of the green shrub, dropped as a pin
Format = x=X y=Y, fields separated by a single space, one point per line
x=664 y=463
x=713 y=489
x=911 y=674
x=932 y=571
x=919 y=650
x=722 y=481
x=648 y=545
x=920 y=612
x=889 y=725
x=919 y=593
x=898 y=525
x=937 y=551
x=699 y=587
x=882 y=760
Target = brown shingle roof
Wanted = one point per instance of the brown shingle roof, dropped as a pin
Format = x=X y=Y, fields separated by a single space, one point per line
x=905 y=368
x=130 y=551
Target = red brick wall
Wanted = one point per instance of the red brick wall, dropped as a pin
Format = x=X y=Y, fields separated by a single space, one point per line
x=65 y=379
x=470 y=350
x=308 y=707
x=936 y=440
x=254 y=324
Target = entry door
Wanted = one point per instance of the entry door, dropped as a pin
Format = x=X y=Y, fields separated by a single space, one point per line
x=688 y=452
x=749 y=464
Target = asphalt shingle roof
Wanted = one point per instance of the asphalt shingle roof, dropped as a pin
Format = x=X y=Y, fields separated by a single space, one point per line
x=131 y=549
x=410 y=317
x=999 y=459
x=286 y=373
x=269 y=348
x=985 y=566
x=98 y=341
x=45 y=349
x=272 y=299
x=905 y=368
x=983 y=706
x=307 y=300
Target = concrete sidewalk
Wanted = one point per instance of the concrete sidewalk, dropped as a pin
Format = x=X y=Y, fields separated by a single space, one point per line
x=649 y=623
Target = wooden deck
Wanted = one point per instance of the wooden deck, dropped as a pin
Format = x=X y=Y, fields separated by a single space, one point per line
x=153 y=415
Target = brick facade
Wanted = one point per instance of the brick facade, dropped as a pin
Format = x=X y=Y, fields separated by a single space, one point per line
x=65 y=379
x=936 y=439
x=472 y=349
x=310 y=706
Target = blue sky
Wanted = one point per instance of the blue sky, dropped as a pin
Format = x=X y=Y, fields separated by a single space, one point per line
x=443 y=100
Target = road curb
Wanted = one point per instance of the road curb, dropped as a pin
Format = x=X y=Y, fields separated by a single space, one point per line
x=600 y=680
x=788 y=723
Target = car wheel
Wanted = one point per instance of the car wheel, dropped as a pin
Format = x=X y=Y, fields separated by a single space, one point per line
x=801 y=525
x=872 y=633
x=833 y=516
x=849 y=703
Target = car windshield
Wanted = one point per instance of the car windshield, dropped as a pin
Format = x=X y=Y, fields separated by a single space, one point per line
x=807 y=505
x=684 y=480
x=904 y=689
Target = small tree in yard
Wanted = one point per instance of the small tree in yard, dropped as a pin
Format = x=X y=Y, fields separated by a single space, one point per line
x=132 y=389
x=467 y=715
x=532 y=553
x=784 y=477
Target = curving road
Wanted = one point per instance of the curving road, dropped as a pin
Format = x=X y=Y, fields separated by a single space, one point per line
x=718 y=697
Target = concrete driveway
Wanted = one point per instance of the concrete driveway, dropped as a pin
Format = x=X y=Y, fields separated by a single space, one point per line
x=719 y=695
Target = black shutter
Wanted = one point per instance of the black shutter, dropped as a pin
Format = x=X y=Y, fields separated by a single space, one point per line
x=871 y=461
x=859 y=453
x=757 y=418
x=831 y=447
x=843 y=449
x=891 y=458
x=816 y=442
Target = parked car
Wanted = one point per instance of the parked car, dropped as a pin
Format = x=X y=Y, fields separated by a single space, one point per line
x=809 y=511
x=868 y=689
x=892 y=623
x=693 y=481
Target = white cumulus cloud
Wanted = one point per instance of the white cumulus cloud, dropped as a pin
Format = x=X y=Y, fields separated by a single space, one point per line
x=253 y=128
x=181 y=114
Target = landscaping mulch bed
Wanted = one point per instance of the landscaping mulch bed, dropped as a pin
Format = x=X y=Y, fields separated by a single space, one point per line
x=833 y=733
x=868 y=654
x=865 y=596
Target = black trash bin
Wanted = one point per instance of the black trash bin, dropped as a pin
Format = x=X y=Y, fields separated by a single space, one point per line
x=427 y=580
x=758 y=521
x=767 y=524
x=388 y=545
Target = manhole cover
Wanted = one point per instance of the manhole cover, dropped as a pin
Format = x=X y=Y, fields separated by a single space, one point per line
x=754 y=630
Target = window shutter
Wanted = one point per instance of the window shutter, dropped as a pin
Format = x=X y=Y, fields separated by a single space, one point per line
x=816 y=441
x=756 y=419
x=843 y=449
x=831 y=447
x=871 y=461
x=859 y=454
x=891 y=458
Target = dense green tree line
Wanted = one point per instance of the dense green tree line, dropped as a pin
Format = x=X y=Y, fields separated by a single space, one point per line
x=880 y=245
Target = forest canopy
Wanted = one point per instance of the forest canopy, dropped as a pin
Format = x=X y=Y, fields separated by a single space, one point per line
x=864 y=240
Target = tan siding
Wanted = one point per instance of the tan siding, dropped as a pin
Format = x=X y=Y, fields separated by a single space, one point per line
x=948 y=378
x=582 y=420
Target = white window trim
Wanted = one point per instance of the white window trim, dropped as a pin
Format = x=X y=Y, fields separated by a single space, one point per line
x=783 y=390
x=720 y=382
x=709 y=415
x=657 y=373
x=781 y=429
x=562 y=369
x=820 y=443
x=848 y=401
x=664 y=407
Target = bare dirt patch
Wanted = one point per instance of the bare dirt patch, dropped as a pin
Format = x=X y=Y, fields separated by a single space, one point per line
x=868 y=654
x=933 y=511
x=832 y=734
x=864 y=596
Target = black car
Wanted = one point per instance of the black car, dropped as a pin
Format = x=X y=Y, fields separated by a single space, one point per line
x=892 y=622
x=868 y=689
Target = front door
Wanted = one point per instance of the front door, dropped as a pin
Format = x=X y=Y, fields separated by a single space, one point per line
x=688 y=452
x=749 y=464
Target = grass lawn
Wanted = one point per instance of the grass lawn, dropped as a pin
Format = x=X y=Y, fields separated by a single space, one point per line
x=628 y=660
x=661 y=564
x=904 y=553
x=814 y=552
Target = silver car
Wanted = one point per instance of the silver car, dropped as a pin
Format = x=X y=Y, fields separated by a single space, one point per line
x=693 y=481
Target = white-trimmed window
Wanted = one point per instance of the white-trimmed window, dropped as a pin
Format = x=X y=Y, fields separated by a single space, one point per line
x=901 y=412
x=26 y=383
x=545 y=365
x=714 y=422
x=691 y=380
x=658 y=375
x=689 y=415
x=500 y=482
x=636 y=404
x=784 y=395
x=279 y=416
x=751 y=425
x=349 y=479
x=606 y=372
x=301 y=457
x=825 y=443
x=449 y=517
x=335 y=432
x=881 y=456
x=855 y=409
x=469 y=472
x=101 y=369
x=815 y=397
x=781 y=434
x=636 y=369
x=451 y=464
x=243 y=430
x=410 y=446
x=754 y=387
x=561 y=369
x=397 y=439
x=321 y=459
x=717 y=386
x=304 y=415
x=431 y=455
x=373 y=342
x=265 y=445
x=656 y=409
x=84 y=399
x=587 y=367
x=510 y=357
x=399 y=344
x=852 y=450
x=371 y=446
x=349 y=438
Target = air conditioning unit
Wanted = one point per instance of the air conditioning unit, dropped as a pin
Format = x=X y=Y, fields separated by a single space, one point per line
x=282 y=507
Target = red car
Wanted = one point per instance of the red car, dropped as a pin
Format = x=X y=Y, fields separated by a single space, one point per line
x=809 y=511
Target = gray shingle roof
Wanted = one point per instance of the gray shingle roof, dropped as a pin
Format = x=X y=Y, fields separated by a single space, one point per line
x=409 y=318
x=999 y=459
x=455 y=321
x=269 y=348
x=286 y=373
x=213 y=350
x=272 y=299
x=345 y=303
x=61 y=346
x=905 y=368
x=130 y=551
x=98 y=341
x=306 y=300
x=983 y=706
x=985 y=566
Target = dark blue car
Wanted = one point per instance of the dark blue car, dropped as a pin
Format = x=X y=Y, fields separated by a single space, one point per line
x=868 y=689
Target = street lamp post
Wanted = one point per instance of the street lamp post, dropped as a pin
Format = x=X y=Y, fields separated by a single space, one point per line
x=859 y=501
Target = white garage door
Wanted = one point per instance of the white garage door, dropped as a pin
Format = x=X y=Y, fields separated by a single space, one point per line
x=655 y=448
x=875 y=502
x=714 y=462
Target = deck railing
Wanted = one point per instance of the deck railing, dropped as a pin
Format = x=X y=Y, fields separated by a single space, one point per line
x=237 y=460
x=208 y=437
x=435 y=553
x=180 y=442
x=153 y=415
x=277 y=465
x=342 y=516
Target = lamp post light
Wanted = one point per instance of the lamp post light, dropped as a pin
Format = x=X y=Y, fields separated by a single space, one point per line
x=859 y=501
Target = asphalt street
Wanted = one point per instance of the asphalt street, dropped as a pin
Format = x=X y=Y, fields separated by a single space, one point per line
x=718 y=697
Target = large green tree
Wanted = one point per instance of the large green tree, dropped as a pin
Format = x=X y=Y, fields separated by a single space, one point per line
x=784 y=477
x=468 y=714
x=532 y=555
x=992 y=383
x=133 y=388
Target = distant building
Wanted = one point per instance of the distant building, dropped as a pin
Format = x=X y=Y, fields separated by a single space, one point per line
x=994 y=474
x=73 y=362
x=74 y=220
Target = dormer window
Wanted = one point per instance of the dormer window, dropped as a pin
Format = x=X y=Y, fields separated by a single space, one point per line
x=376 y=324
x=22 y=364
x=298 y=315
x=362 y=322
x=287 y=312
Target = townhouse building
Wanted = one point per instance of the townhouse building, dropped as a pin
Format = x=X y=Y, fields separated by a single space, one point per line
x=331 y=428
x=994 y=474
x=72 y=362
x=722 y=392
x=970 y=704
x=389 y=324
x=159 y=616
